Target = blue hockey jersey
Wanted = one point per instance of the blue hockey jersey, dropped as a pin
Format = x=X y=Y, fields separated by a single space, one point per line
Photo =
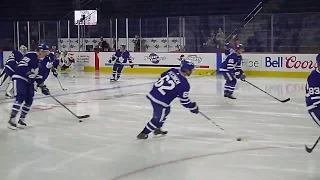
x=122 y=57
x=12 y=62
x=55 y=62
x=232 y=64
x=313 y=90
x=28 y=69
x=171 y=85
x=45 y=66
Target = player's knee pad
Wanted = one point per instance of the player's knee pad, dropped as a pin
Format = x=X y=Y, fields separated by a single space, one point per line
x=20 y=98
x=115 y=67
x=120 y=68
x=29 y=100
x=233 y=82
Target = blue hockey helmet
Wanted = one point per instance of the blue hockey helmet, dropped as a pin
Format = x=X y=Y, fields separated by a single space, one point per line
x=227 y=45
x=186 y=65
x=57 y=52
x=42 y=47
x=123 y=46
x=239 y=46
x=318 y=59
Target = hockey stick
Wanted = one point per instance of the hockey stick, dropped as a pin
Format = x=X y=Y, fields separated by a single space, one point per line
x=251 y=15
x=64 y=89
x=309 y=150
x=283 y=101
x=209 y=119
x=79 y=117
x=205 y=116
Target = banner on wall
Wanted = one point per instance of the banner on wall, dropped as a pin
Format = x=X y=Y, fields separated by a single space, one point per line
x=280 y=62
x=201 y=60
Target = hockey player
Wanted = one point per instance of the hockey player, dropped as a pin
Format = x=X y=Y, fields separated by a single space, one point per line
x=27 y=72
x=66 y=61
x=48 y=64
x=231 y=71
x=10 y=68
x=121 y=57
x=313 y=93
x=171 y=84
x=55 y=59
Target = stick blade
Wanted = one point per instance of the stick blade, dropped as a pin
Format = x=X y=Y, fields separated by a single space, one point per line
x=84 y=116
x=309 y=150
x=286 y=100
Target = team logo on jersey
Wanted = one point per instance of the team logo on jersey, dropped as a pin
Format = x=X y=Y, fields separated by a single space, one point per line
x=154 y=58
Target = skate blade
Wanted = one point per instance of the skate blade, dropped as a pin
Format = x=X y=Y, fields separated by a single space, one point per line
x=159 y=136
x=12 y=127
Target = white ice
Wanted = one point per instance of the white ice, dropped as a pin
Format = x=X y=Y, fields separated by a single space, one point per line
x=56 y=146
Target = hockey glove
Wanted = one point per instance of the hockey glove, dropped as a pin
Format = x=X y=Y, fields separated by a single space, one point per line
x=194 y=108
x=44 y=89
x=243 y=77
x=54 y=72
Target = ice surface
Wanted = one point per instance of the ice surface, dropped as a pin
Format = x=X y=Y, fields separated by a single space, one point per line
x=104 y=147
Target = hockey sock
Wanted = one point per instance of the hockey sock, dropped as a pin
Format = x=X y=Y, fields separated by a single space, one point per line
x=15 y=109
x=151 y=126
x=118 y=75
x=229 y=89
x=114 y=74
x=25 y=110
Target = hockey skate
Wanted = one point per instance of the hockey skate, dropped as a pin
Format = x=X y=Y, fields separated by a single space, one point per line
x=11 y=124
x=230 y=96
x=159 y=132
x=8 y=96
x=142 y=136
x=113 y=79
x=21 y=124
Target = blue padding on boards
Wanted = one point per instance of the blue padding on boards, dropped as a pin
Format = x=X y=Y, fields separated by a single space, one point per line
x=219 y=61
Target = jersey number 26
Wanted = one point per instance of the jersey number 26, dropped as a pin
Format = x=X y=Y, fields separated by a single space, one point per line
x=164 y=83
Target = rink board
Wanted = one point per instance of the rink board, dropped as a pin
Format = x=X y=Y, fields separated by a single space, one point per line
x=260 y=64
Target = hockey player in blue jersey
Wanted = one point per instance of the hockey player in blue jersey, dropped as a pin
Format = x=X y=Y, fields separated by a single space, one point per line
x=171 y=84
x=51 y=62
x=231 y=71
x=10 y=67
x=47 y=65
x=121 y=57
x=313 y=93
x=26 y=74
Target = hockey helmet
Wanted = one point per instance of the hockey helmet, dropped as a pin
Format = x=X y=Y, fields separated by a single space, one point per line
x=42 y=47
x=23 y=49
x=57 y=52
x=239 y=46
x=186 y=65
x=318 y=59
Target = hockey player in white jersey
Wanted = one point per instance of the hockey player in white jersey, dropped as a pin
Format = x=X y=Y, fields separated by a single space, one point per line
x=67 y=61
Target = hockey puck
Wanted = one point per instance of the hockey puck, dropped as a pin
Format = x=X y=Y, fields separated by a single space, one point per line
x=239 y=139
x=80 y=120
